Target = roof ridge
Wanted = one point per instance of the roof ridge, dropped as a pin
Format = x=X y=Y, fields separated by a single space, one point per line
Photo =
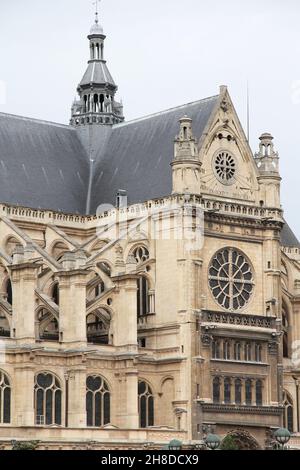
x=165 y=111
x=41 y=121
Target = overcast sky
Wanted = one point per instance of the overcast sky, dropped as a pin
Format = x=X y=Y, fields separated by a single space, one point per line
x=163 y=53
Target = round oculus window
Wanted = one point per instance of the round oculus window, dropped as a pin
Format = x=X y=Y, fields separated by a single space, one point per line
x=231 y=279
x=225 y=166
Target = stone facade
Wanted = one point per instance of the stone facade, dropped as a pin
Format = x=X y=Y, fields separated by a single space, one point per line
x=166 y=319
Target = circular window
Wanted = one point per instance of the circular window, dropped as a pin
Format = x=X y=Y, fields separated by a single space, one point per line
x=224 y=166
x=231 y=279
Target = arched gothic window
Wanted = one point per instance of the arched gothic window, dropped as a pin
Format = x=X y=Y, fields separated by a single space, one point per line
x=227 y=390
x=146 y=405
x=288 y=412
x=141 y=254
x=97 y=402
x=98 y=327
x=248 y=392
x=5 y=399
x=258 y=392
x=55 y=293
x=48 y=396
x=99 y=289
x=9 y=292
x=142 y=296
x=285 y=339
x=237 y=351
x=216 y=390
x=48 y=329
x=95 y=288
x=238 y=391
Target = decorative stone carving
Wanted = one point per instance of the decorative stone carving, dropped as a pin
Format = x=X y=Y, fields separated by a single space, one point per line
x=206 y=340
x=273 y=347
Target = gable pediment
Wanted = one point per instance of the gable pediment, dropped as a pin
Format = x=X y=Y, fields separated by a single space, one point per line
x=228 y=166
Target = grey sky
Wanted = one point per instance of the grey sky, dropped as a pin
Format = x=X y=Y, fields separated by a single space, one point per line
x=163 y=53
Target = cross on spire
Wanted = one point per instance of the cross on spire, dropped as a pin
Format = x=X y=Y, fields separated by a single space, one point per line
x=96 y=2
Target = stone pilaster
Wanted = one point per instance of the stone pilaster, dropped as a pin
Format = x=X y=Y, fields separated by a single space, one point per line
x=125 y=313
x=76 y=385
x=24 y=282
x=127 y=409
x=72 y=307
x=23 y=396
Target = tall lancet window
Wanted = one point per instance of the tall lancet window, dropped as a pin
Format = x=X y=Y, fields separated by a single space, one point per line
x=97 y=402
x=5 y=399
x=146 y=405
x=48 y=400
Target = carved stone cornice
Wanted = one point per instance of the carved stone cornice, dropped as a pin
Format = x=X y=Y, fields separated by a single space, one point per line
x=231 y=318
x=239 y=409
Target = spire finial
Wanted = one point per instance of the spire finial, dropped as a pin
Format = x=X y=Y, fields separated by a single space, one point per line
x=96 y=2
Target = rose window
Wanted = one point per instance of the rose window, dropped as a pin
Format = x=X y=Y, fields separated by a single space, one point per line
x=231 y=279
x=224 y=166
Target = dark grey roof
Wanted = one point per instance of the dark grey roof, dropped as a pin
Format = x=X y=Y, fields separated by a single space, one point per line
x=288 y=238
x=97 y=73
x=138 y=154
x=42 y=165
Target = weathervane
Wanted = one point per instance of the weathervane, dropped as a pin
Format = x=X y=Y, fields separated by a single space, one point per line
x=96 y=2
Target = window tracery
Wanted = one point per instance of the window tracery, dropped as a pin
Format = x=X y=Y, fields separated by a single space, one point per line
x=231 y=279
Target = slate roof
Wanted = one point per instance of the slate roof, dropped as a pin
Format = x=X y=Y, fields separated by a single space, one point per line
x=138 y=154
x=45 y=165
x=97 y=73
x=288 y=238
x=42 y=165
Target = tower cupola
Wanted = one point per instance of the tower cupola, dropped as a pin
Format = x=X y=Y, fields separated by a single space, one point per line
x=97 y=90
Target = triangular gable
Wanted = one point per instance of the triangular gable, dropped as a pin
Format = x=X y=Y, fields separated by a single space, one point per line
x=228 y=166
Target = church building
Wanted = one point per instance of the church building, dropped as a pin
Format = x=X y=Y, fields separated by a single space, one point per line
x=149 y=283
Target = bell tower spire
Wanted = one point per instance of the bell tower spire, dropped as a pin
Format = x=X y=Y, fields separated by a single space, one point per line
x=97 y=89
